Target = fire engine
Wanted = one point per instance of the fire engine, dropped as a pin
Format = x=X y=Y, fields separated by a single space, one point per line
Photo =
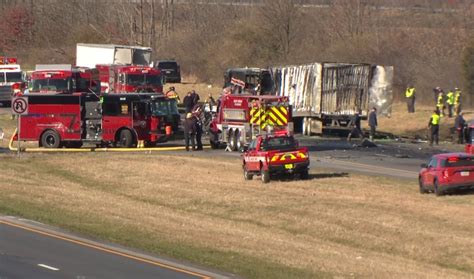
x=127 y=79
x=10 y=77
x=114 y=119
x=275 y=154
x=62 y=79
x=241 y=117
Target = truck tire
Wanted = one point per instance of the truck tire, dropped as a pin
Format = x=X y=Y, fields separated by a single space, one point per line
x=50 y=139
x=422 y=186
x=232 y=143
x=247 y=175
x=238 y=140
x=125 y=139
x=304 y=175
x=265 y=175
x=214 y=140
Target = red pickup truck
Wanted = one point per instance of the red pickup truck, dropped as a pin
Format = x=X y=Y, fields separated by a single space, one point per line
x=275 y=154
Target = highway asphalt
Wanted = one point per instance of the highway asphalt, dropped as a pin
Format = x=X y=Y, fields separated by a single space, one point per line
x=32 y=250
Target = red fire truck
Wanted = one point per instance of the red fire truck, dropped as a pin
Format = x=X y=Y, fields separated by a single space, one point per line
x=114 y=119
x=128 y=79
x=241 y=117
x=10 y=76
x=62 y=79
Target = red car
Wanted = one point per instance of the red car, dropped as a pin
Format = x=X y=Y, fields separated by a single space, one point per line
x=446 y=172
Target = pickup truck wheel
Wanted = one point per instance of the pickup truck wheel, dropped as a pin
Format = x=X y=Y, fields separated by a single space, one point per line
x=304 y=175
x=422 y=186
x=247 y=175
x=438 y=192
x=50 y=139
x=265 y=175
x=125 y=139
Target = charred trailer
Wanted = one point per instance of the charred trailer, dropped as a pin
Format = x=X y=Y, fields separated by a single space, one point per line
x=327 y=95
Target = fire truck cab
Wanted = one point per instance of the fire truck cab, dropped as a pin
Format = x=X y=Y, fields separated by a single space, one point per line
x=10 y=76
x=62 y=79
x=130 y=79
x=114 y=119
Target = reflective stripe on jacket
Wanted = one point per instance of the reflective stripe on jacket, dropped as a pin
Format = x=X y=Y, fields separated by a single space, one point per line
x=410 y=92
x=450 y=98
x=434 y=119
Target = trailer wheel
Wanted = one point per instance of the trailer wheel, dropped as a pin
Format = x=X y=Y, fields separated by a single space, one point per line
x=265 y=175
x=50 y=139
x=125 y=139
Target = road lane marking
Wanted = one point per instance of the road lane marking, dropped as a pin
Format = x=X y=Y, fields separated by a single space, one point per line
x=107 y=250
x=48 y=267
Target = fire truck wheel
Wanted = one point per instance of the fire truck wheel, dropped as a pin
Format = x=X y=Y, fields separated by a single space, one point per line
x=265 y=175
x=247 y=175
x=232 y=142
x=238 y=142
x=50 y=139
x=213 y=141
x=125 y=139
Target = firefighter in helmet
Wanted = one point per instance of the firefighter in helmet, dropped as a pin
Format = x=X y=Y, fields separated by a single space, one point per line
x=172 y=94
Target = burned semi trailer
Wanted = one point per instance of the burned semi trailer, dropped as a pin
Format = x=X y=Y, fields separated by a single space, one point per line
x=327 y=95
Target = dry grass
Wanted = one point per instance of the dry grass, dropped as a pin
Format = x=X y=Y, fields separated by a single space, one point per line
x=410 y=124
x=335 y=226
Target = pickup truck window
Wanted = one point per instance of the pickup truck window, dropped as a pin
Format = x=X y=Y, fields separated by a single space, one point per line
x=279 y=143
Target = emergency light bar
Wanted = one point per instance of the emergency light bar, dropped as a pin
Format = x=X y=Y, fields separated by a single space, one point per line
x=4 y=60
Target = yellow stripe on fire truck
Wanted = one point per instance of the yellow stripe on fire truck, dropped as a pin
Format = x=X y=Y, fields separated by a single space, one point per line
x=257 y=116
x=287 y=156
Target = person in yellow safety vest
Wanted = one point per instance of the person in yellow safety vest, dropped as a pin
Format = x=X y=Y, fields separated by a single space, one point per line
x=457 y=100
x=433 y=125
x=440 y=104
x=450 y=102
x=410 y=96
x=171 y=94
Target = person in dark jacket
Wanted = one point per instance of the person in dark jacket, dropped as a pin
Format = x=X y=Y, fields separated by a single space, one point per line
x=372 y=122
x=460 y=125
x=188 y=102
x=356 y=130
x=195 y=97
x=198 y=126
x=189 y=131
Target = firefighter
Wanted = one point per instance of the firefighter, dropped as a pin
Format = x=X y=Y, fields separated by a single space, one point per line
x=356 y=130
x=172 y=94
x=198 y=125
x=410 y=97
x=440 y=103
x=436 y=91
x=433 y=125
x=372 y=123
x=195 y=97
x=189 y=131
x=210 y=102
x=459 y=125
x=450 y=102
x=188 y=102
x=457 y=101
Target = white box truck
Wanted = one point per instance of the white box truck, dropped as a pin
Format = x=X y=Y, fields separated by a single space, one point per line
x=89 y=55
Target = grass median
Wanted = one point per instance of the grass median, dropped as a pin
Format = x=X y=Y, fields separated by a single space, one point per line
x=201 y=210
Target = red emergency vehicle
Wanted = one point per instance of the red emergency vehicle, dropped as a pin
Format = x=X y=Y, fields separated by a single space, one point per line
x=128 y=79
x=11 y=78
x=275 y=154
x=241 y=117
x=469 y=148
x=114 y=119
x=62 y=79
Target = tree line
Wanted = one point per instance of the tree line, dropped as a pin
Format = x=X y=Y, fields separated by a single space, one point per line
x=430 y=43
